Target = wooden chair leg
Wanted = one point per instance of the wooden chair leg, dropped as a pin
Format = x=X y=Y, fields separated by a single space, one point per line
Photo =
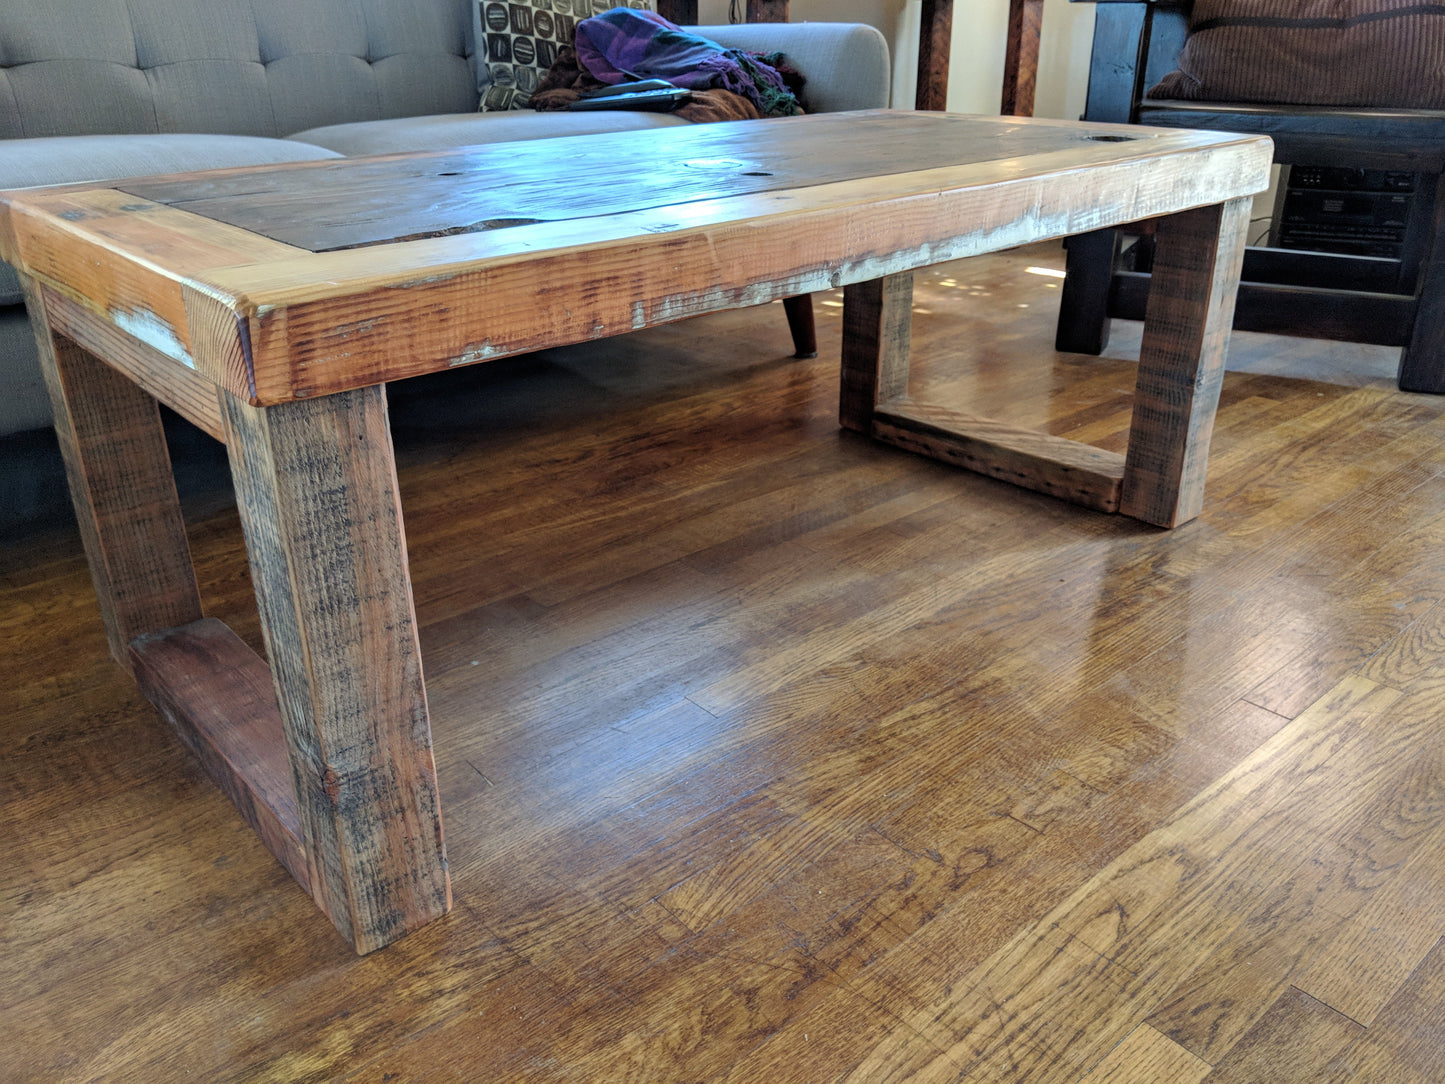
x=799 y=311
x=1084 y=301
x=1422 y=362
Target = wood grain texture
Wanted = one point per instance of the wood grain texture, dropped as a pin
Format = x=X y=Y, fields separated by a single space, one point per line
x=1306 y=913
x=1408 y=1044
x=316 y=486
x=877 y=334
x=1374 y=951
x=1144 y=1057
x=217 y=695
x=1298 y=1039
x=935 y=37
x=177 y=386
x=133 y=264
x=1182 y=364
x=1109 y=953
x=1021 y=57
x=1023 y=457
x=121 y=487
x=1181 y=361
x=358 y=203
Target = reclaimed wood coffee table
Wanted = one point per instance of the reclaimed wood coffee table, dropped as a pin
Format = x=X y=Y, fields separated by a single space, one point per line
x=269 y=306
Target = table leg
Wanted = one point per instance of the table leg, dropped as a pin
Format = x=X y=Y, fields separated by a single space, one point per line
x=316 y=486
x=1186 y=335
x=877 y=338
x=1181 y=361
x=122 y=488
x=874 y=399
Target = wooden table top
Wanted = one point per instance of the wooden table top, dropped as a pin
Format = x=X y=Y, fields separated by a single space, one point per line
x=304 y=279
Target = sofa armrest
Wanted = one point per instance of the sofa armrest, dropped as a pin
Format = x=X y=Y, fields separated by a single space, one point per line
x=846 y=64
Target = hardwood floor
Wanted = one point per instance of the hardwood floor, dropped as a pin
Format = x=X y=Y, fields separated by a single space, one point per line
x=770 y=754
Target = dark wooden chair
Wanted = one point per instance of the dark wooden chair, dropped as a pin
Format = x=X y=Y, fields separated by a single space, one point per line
x=1386 y=301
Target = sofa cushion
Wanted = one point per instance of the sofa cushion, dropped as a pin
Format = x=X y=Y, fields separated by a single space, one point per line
x=1312 y=52
x=74 y=159
x=242 y=67
x=467 y=129
x=518 y=40
x=25 y=404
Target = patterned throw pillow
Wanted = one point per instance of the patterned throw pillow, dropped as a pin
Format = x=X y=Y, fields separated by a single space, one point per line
x=518 y=41
x=1312 y=52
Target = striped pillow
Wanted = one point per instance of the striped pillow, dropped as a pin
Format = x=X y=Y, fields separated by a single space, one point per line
x=1313 y=52
x=518 y=42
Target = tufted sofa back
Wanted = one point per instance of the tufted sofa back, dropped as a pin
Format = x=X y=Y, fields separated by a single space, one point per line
x=231 y=67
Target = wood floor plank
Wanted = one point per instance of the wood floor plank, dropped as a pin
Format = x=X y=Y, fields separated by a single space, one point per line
x=1105 y=954
x=1366 y=834
x=1413 y=655
x=1373 y=954
x=1145 y=1056
x=1298 y=1039
x=1407 y=1041
x=831 y=1037
x=1380 y=944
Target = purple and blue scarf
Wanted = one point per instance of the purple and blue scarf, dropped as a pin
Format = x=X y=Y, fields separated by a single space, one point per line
x=624 y=44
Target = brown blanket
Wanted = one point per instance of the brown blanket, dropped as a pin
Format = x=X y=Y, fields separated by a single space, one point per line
x=567 y=80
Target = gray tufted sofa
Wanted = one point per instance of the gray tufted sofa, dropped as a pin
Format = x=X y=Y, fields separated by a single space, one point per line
x=98 y=89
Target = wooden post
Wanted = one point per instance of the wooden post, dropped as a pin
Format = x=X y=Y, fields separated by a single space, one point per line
x=1021 y=57
x=935 y=33
x=683 y=12
x=316 y=487
x=1181 y=360
x=122 y=488
x=877 y=338
x=767 y=11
